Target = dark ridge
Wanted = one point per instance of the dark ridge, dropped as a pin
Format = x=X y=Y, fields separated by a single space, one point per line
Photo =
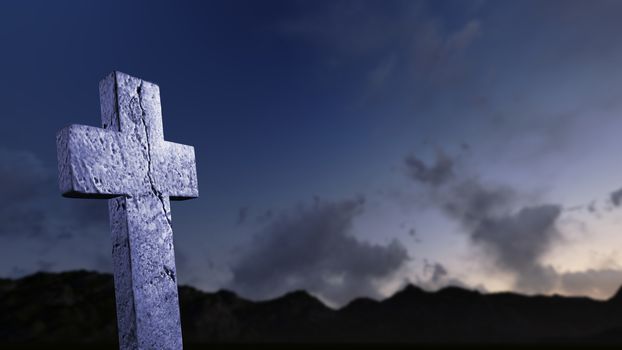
x=227 y=294
x=78 y=306
x=458 y=293
x=408 y=292
x=296 y=295
x=361 y=303
x=297 y=300
x=617 y=297
x=6 y=284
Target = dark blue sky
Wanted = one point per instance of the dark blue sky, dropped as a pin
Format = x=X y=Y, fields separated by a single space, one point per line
x=345 y=147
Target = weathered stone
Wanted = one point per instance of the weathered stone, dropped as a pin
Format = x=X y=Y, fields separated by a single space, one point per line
x=129 y=162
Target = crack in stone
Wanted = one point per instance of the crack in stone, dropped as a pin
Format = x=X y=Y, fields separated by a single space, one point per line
x=149 y=175
x=170 y=273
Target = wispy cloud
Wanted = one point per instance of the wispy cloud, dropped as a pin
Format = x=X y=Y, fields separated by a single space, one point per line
x=390 y=38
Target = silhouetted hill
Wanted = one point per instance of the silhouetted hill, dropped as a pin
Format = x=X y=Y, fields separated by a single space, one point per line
x=79 y=306
x=617 y=297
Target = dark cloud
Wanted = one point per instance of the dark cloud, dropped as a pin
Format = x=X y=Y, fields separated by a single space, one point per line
x=436 y=276
x=438 y=272
x=23 y=175
x=32 y=206
x=473 y=203
x=515 y=238
x=312 y=248
x=616 y=197
x=413 y=233
x=435 y=175
x=592 y=207
x=518 y=241
x=24 y=179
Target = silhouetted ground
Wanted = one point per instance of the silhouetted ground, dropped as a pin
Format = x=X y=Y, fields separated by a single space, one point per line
x=51 y=309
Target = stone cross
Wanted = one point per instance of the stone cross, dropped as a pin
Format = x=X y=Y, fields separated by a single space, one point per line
x=128 y=162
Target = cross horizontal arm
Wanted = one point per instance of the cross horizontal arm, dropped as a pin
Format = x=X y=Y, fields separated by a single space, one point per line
x=178 y=174
x=94 y=163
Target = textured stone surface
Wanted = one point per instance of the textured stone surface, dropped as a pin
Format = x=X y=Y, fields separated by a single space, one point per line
x=129 y=162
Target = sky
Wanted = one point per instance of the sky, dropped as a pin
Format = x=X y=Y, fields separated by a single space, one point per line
x=347 y=148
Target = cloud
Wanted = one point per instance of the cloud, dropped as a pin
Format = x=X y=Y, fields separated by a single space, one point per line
x=436 y=276
x=413 y=233
x=463 y=38
x=439 y=54
x=382 y=72
x=592 y=207
x=312 y=248
x=351 y=28
x=438 y=272
x=616 y=197
x=599 y=283
x=519 y=241
x=418 y=40
x=515 y=238
x=23 y=175
x=435 y=175
x=31 y=205
x=23 y=179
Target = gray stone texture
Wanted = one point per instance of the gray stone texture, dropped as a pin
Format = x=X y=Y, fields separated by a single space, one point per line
x=129 y=162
